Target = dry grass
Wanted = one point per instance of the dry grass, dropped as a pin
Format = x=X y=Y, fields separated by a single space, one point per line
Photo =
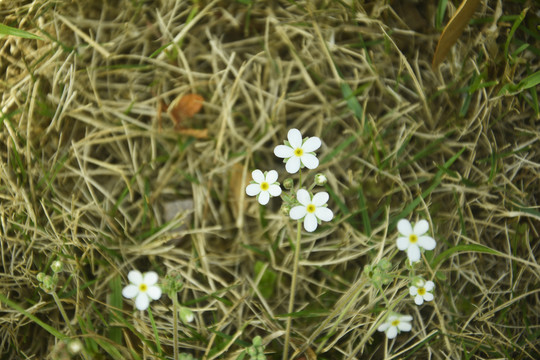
x=90 y=176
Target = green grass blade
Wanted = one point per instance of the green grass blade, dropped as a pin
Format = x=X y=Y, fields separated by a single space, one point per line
x=461 y=249
x=45 y=326
x=8 y=30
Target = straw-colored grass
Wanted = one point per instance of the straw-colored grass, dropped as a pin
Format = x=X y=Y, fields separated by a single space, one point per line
x=95 y=174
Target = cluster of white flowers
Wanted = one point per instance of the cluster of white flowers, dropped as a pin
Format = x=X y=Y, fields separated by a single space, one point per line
x=413 y=240
x=296 y=153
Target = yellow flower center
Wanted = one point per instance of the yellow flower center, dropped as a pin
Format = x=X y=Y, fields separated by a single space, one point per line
x=298 y=152
x=143 y=288
x=395 y=322
x=264 y=186
x=413 y=238
x=310 y=208
x=421 y=291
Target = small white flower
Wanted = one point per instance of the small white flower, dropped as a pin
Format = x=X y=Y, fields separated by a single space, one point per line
x=298 y=153
x=414 y=239
x=310 y=209
x=394 y=324
x=422 y=291
x=143 y=288
x=263 y=186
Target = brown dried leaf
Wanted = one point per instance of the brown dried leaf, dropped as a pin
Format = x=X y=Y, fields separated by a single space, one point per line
x=186 y=106
x=453 y=30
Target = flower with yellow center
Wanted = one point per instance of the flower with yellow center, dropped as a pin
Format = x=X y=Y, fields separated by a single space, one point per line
x=394 y=324
x=143 y=288
x=311 y=209
x=264 y=186
x=422 y=291
x=414 y=239
x=298 y=153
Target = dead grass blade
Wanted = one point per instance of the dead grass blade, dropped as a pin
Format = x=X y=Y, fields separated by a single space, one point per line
x=453 y=30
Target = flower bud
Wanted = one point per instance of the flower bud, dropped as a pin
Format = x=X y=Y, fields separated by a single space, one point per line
x=74 y=347
x=186 y=314
x=288 y=183
x=57 y=266
x=320 y=179
x=40 y=277
x=48 y=284
x=285 y=209
x=172 y=284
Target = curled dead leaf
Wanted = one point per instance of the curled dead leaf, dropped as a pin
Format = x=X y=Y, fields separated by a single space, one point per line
x=185 y=107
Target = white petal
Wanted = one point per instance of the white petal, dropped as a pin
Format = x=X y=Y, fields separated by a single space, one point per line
x=418 y=300
x=413 y=290
x=135 y=277
x=271 y=176
x=421 y=227
x=404 y=326
x=142 y=301
x=253 y=189
x=430 y=285
x=427 y=242
x=154 y=292
x=130 y=291
x=150 y=278
x=274 y=190
x=413 y=253
x=310 y=161
x=311 y=144
x=298 y=212
x=303 y=197
x=325 y=214
x=293 y=165
x=383 y=326
x=310 y=222
x=403 y=243
x=407 y=318
x=428 y=296
x=391 y=332
x=283 y=151
x=295 y=138
x=264 y=197
x=258 y=176
x=320 y=198
x=404 y=227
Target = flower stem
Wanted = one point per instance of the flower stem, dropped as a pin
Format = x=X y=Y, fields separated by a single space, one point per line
x=175 y=325
x=293 y=289
x=63 y=312
x=66 y=319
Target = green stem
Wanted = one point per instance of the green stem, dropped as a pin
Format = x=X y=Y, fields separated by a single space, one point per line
x=175 y=325
x=63 y=312
x=66 y=319
x=293 y=289
x=156 y=335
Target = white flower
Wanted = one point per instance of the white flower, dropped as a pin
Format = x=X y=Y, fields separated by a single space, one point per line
x=263 y=186
x=421 y=291
x=413 y=239
x=394 y=324
x=310 y=209
x=298 y=153
x=142 y=288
